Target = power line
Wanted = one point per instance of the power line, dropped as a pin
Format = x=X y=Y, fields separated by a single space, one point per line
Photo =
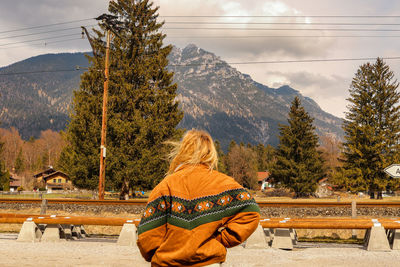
x=282 y=16
x=39 y=71
x=283 y=36
x=42 y=39
x=37 y=33
x=77 y=68
x=281 y=23
x=281 y=29
x=288 y=61
x=47 y=25
x=43 y=44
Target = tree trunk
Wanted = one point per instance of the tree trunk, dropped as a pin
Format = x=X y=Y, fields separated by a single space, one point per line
x=371 y=194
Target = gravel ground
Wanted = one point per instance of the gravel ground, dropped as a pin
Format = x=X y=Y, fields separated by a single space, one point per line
x=98 y=251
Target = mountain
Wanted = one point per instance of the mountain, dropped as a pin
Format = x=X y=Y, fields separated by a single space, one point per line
x=213 y=95
x=230 y=105
x=33 y=102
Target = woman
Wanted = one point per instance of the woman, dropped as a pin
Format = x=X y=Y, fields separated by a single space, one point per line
x=196 y=212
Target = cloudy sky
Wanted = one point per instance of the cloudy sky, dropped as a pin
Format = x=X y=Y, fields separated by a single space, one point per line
x=275 y=40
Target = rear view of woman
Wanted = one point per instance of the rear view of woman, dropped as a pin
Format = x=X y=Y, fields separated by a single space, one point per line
x=195 y=212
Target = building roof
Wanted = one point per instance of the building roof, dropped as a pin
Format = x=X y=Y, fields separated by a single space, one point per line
x=45 y=172
x=54 y=174
x=14 y=182
x=262 y=175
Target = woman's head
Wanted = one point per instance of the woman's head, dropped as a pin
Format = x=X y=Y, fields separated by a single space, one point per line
x=196 y=147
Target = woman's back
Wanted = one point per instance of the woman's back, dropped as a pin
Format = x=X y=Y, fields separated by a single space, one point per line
x=181 y=221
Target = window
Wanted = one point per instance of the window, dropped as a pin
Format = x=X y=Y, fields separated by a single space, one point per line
x=59 y=180
x=54 y=180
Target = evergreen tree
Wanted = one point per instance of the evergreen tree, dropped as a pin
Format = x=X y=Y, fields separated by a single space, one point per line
x=221 y=157
x=298 y=163
x=4 y=174
x=142 y=111
x=19 y=162
x=232 y=144
x=265 y=157
x=372 y=126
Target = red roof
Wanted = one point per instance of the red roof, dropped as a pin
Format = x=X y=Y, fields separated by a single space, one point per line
x=262 y=175
x=15 y=182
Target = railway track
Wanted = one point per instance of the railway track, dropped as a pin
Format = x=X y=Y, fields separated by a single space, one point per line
x=142 y=202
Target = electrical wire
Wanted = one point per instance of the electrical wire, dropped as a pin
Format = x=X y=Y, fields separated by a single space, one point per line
x=288 y=61
x=42 y=39
x=282 y=29
x=77 y=68
x=281 y=16
x=43 y=44
x=283 y=36
x=282 y=23
x=39 y=71
x=37 y=33
x=47 y=25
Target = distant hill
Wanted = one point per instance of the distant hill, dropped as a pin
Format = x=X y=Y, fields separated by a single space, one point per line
x=36 y=102
x=213 y=95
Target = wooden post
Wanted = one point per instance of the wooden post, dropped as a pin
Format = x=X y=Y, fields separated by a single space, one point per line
x=43 y=207
x=104 y=124
x=353 y=216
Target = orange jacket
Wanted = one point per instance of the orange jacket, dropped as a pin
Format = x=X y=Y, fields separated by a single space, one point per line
x=193 y=215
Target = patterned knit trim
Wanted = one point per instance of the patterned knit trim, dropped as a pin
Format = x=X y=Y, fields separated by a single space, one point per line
x=192 y=213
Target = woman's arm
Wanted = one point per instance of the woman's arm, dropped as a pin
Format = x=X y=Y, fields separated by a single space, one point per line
x=153 y=225
x=238 y=228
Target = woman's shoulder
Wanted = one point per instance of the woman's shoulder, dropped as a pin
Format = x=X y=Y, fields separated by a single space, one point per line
x=224 y=180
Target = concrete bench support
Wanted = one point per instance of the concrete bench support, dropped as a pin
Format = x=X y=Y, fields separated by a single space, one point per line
x=269 y=235
x=293 y=236
x=282 y=239
x=67 y=232
x=257 y=239
x=76 y=232
x=377 y=240
x=128 y=235
x=51 y=233
x=396 y=239
x=83 y=231
x=29 y=233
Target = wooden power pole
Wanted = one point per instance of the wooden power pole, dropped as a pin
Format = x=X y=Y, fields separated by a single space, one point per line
x=104 y=124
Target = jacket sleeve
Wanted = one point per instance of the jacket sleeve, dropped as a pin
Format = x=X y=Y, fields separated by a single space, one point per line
x=153 y=225
x=237 y=228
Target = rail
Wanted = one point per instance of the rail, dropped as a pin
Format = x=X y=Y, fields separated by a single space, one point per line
x=142 y=202
x=295 y=223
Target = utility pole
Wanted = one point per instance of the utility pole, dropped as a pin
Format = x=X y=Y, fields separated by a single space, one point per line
x=109 y=21
x=104 y=123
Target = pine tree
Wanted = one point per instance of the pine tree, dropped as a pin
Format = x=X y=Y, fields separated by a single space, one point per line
x=19 y=163
x=4 y=174
x=298 y=163
x=265 y=157
x=372 y=126
x=142 y=111
x=221 y=157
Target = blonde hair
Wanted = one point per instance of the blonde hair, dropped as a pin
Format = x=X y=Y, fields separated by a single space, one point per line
x=196 y=147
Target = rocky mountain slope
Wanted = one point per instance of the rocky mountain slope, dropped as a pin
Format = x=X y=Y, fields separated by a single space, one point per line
x=213 y=95
x=230 y=105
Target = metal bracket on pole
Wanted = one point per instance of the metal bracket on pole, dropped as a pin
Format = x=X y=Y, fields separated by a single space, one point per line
x=103 y=149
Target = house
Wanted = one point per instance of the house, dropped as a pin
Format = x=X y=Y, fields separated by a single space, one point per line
x=264 y=181
x=54 y=180
x=324 y=188
x=57 y=181
x=39 y=176
x=15 y=182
